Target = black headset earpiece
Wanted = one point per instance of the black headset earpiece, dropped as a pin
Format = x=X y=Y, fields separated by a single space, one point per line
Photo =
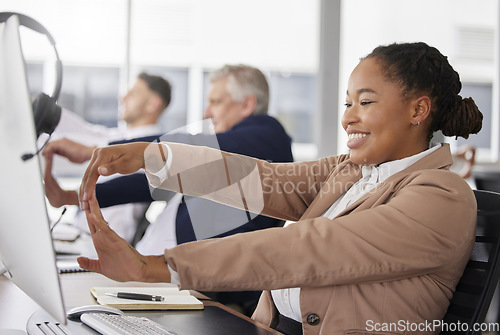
x=46 y=112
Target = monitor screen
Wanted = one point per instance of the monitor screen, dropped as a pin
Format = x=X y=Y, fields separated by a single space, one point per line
x=26 y=252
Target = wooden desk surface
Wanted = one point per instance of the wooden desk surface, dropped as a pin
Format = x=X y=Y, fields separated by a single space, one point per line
x=16 y=307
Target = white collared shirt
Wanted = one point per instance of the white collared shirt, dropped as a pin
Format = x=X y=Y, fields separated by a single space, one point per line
x=74 y=127
x=287 y=301
x=161 y=233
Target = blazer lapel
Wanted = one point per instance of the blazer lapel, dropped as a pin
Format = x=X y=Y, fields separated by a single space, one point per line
x=348 y=173
x=339 y=181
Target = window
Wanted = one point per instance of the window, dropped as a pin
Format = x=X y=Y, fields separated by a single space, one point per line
x=92 y=92
x=181 y=39
x=460 y=29
x=292 y=101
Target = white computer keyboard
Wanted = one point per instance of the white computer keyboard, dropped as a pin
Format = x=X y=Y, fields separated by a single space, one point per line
x=111 y=324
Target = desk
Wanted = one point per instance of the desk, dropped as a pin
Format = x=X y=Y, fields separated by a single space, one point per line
x=16 y=307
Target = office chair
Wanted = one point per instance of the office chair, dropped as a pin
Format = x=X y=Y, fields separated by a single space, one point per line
x=474 y=292
x=488 y=180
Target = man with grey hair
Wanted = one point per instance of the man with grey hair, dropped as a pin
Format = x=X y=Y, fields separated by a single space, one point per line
x=235 y=93
x=238 y=99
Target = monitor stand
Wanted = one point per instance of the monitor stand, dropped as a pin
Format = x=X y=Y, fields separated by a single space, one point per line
x=4 y=270
x=42 y=323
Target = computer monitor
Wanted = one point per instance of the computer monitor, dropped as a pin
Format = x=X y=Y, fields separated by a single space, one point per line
x=26 y=251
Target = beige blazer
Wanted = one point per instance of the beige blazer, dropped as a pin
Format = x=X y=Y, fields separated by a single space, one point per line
x=389 y=263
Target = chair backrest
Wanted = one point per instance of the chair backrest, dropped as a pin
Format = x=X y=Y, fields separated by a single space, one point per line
x=475 y=290
x=488 y=180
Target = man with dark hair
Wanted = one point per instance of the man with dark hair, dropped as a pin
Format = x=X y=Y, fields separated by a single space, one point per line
x=141 y=109
x=158 y=85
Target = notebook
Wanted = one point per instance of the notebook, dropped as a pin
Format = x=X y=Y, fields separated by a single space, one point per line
x=174 y=298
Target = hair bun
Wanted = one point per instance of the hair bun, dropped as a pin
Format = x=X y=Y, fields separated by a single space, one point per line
x=465 y=120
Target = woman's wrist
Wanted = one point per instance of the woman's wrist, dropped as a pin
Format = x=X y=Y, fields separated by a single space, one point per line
x=155 y=157
x=156 y=269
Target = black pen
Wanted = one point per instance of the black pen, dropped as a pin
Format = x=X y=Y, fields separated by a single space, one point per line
x=136 y=296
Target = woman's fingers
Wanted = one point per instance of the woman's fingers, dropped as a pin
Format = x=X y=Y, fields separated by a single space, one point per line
x=94 y=216
x=117 y=259
x=95 y=168
x=122 y=158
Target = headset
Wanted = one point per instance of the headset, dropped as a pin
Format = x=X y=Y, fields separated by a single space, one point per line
x=46 y=112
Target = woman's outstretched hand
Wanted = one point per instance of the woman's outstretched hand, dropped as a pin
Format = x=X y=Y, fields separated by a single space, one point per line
x=117 y=259
x=121 y=158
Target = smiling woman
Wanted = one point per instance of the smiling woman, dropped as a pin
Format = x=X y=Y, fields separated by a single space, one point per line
x=386 y=223
x=379 y=120
x=395 y=103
